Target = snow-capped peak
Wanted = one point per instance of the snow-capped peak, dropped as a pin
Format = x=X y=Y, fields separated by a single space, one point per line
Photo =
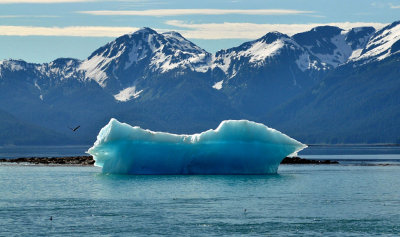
x=121 y=52
x=146 y=49
x=173 y=34
x=273 y=36
x=382 y=44
x=259 y=52
x=334 y=46
x=179 y=52
x=145 y=30
x=13 y=65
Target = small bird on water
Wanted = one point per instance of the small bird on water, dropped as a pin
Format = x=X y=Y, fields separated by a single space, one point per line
x=76 y=128
x=51 y=218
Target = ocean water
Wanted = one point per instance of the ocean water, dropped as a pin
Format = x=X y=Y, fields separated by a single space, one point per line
x=309 y=200
x=358 y=197
x=333 y=151
x=10 y=152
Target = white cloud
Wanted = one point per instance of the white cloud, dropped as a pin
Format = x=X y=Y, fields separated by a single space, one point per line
x=178 y=12
x=41 y=1
x=81 y=31
x=229 y=30
x=395 y=7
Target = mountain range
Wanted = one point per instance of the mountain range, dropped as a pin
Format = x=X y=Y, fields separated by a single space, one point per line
x=326 y=85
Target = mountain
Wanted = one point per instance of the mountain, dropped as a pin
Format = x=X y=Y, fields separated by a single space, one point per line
x=358 y=102
x=352 y=105
x=334 y=46
x=383 y=44
x=17 y=132
x=52 y=95
x=274 y=65
x=162 y=81
x=130 y=60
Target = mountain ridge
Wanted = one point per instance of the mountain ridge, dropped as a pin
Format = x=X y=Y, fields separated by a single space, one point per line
x=162 y=81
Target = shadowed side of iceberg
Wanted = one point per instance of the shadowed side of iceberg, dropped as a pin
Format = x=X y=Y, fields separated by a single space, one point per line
x=235 y=147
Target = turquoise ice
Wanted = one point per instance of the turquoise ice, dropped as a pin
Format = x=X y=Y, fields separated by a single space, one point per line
x=235 y=147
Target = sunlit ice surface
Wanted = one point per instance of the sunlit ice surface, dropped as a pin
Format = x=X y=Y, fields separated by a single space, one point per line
x=235 y=147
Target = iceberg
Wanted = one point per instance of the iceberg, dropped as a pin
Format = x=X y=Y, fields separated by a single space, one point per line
x=235 y=147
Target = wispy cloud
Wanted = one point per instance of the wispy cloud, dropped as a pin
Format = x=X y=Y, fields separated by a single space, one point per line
x=178 y=12
x=395 y=7
x=41 y=1
x=230 y=30
x=77 y=31
x=227 y=30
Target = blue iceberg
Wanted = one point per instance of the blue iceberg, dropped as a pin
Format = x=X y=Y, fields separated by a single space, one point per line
x=235 y=147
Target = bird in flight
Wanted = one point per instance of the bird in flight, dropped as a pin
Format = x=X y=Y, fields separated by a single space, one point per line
x=74 y=129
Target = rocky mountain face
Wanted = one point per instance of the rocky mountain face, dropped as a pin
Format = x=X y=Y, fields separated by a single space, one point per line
x=357 y=102
x=311 y=81
x=334 y=46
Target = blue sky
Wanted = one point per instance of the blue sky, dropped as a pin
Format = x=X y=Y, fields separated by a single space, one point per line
x=43 y=30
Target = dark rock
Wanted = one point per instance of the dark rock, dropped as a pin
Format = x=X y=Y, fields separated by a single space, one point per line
x=298 y=160
x=78 y=160
x=88 y=160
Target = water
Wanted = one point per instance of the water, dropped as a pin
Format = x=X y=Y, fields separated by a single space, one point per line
x=351 y=150
x=329 y=200
x=355 y=154
x=42 y=151
x=350 y=199
x=312 y=151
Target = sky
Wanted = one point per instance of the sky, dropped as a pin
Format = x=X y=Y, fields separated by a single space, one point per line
x=40 y=31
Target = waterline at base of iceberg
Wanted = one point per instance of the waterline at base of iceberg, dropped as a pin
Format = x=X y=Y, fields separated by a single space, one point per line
x=235 y=147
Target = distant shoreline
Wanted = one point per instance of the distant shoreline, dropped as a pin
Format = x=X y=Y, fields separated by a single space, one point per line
x=89 y=161
x=68 y=160
x=356 y=145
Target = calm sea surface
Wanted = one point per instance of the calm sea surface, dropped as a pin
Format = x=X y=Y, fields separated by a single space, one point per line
x=338 y=151
x=351 y=199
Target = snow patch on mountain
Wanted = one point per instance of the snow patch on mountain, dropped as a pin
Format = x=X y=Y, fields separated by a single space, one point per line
x=340 y=54
x=222 y=62
x=12 y=65
x=177 y=52
x=334 y=46
x=380 y=45
x=253 y=53
x=305 y=63
x=218 y=85
x=128 y=94
x=261 y=50
x=165 y=63
x=355 y=54
x=60 y=68
x=94 y=68
x=40 y=90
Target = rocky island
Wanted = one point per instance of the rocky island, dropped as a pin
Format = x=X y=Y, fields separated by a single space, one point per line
x=89 y=161
x=70 y=160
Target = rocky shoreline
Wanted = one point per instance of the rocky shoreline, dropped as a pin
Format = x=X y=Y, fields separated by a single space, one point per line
x=70 y=160
x=89 y=161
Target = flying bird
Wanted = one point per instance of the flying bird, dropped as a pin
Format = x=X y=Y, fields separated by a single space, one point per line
x=74 y=129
